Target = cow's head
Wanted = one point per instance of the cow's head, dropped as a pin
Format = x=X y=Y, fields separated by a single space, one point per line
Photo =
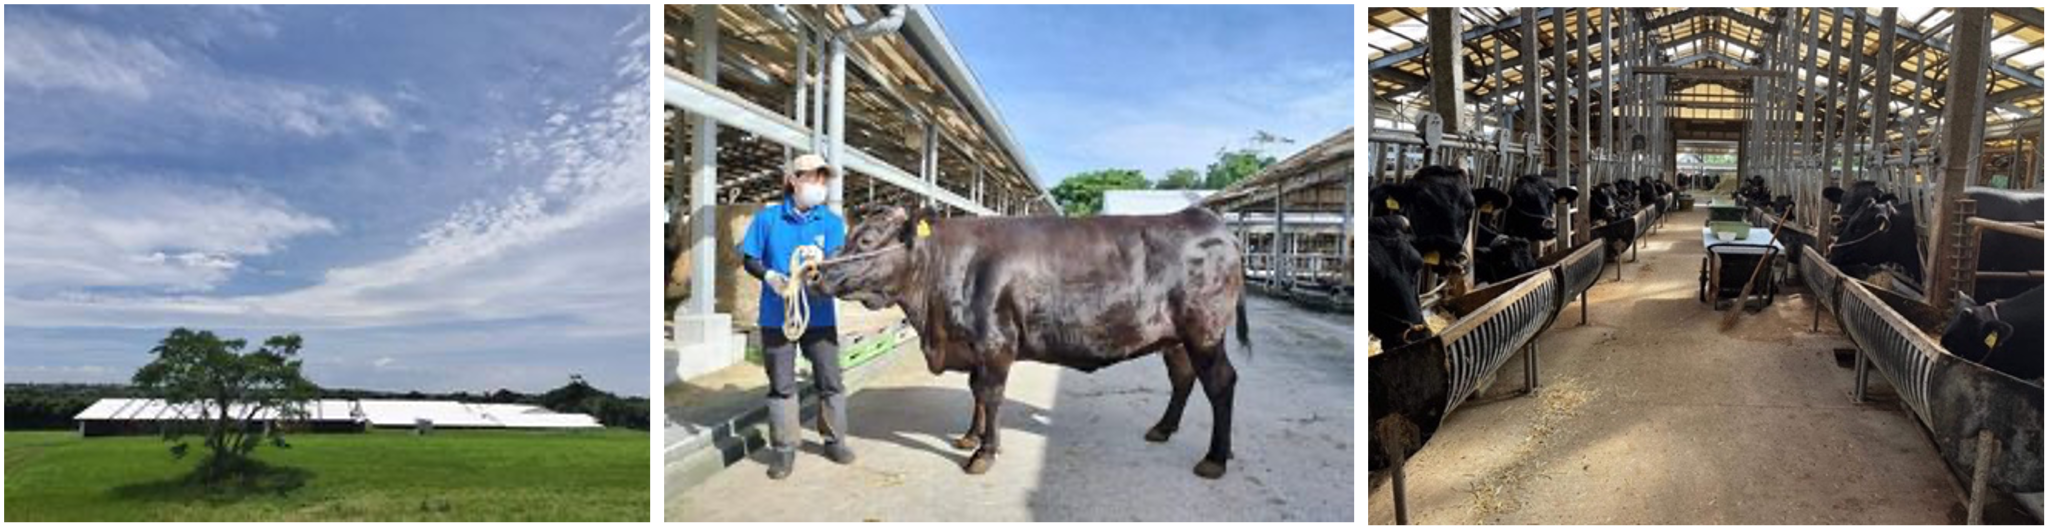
x=1871 y=230
x=1439 y=204
x=1974 y=332
x=1392 y=265
x=871 y=267
x=1504 y=257
x=1603 y=204
x=1531 y=213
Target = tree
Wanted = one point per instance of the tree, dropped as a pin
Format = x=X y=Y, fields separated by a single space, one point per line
x=230 y=390
x=1181 y=179
x=1080 y=194
x=1232 y=166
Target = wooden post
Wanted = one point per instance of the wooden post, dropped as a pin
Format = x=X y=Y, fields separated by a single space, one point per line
x=1447 y=68
x=1963 y=126
x=1560 y=92
x=1854 y=89
x=1881 y=107
x=1980 y=476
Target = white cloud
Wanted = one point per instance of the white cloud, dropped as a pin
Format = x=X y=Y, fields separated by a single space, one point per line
x=573 y=248
x=166 y=76
x=49 y=55
x=141 y=233
x=543 y=271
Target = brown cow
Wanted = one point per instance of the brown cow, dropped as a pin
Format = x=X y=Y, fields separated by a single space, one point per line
x=1084 y=293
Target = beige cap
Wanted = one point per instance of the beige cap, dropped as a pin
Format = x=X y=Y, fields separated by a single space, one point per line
x=807 y=162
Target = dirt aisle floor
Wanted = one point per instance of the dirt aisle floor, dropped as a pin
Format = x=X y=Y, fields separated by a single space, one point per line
x=1073 y=445
x=1649 y=414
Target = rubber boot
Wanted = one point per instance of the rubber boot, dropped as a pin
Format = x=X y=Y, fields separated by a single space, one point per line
x=832 y=425
x=784 y=432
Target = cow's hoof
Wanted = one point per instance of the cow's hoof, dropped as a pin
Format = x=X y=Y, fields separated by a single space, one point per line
x=967 y=442
x=979 y=463
x=1158 y=435
x=1210 y=469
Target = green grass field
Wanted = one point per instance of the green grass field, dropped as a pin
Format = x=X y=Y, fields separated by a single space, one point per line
x=389 y=475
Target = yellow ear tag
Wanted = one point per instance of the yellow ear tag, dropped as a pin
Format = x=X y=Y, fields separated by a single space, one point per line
x=1393 y=205
x=1431 y=258
x=1486 y=208
x=923 y=229
x=1991 y=341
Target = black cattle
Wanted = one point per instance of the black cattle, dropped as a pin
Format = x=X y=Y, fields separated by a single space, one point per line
x=1873 y=232
x=2005 y=252
x=1502 y=257
x=1393 y=305
x=1651 y=192
x=1754 y=192
x=1505 y=243
x=1781 y=206
x=1083 y=293
x=1611 y=222
x=2004 y=335
x=1626 y=197
x=1531 y=211
x=1439 y=204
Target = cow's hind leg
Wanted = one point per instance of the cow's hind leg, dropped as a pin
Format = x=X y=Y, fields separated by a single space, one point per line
x=990 y=394
x=1219 y=381
x=1181 y=372
x=979 y=425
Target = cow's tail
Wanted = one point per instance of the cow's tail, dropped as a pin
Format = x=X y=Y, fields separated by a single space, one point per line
x=1244 y=327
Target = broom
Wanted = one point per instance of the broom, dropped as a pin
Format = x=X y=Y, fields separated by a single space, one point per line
x=1735 y=310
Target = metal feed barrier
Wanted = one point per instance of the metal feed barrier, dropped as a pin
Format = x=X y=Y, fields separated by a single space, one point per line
x=1823 y=280
x=1975 y=414
x=1415 y=387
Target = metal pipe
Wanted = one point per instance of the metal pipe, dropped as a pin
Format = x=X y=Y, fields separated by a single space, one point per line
x=891 y=20
x=1532 y=103
x=1607 y=114
x=704 y=170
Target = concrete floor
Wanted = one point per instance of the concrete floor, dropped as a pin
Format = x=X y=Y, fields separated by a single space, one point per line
x=1073 y=446
x=1650 y=414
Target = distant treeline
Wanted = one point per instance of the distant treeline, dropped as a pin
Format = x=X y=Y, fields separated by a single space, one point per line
x=50 y=406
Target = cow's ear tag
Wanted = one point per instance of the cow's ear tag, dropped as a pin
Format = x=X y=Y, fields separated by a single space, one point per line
x=923 y=229
x=1991 y=340
x=1486 y=208
x=1393 y=205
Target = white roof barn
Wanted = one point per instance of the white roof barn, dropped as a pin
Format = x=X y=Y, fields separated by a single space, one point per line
x=154 y=409
x=372 y=412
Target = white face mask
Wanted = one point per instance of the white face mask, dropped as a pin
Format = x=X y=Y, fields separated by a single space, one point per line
x=810 y=195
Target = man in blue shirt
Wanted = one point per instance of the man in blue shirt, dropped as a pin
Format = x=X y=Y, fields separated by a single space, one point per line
x=773 y=238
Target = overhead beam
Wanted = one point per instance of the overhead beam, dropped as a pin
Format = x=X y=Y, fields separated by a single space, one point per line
x=1684 y=15
x=2000 y=67
x=2029 y=16
x=1708 y=73
x=695 y=96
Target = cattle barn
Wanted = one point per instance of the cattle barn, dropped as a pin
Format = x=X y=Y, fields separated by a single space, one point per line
x=1704 y=265
x=1295 y=220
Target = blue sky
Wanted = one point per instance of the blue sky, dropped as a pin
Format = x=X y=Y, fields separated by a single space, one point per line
x=437 y=198
x=1157 y=87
